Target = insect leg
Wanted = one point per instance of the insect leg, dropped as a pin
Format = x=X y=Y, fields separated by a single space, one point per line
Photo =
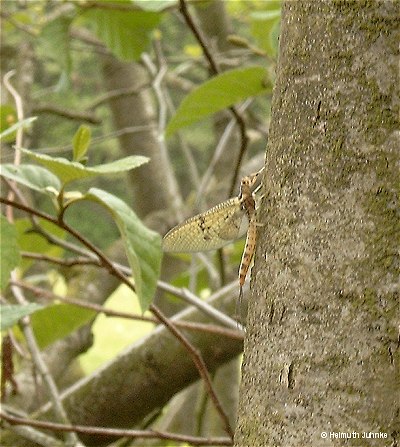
x=248 y=253
x=248 y=203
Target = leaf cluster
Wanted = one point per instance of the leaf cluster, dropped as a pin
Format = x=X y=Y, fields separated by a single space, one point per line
x=54 y=177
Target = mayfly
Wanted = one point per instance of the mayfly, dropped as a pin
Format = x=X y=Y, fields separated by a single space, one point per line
x=220 y=225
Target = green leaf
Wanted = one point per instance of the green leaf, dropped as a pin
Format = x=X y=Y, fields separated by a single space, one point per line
x=31 y=241
x=155 y=5
x=265 y=29
x=32 y=176
x=80 y=142
x=8 y=118
x=58 y=320
x=7 y=133
x=68 y=171
x=10 y=314
x=218 y=93
x=142 y=246
x=126 y=33
x=10 y=256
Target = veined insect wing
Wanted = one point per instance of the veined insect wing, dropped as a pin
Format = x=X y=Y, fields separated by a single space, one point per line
x=209 y=230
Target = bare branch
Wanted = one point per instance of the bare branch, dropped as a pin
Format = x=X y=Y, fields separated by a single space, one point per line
x=69 y=262
x=219 y=150
x=134 y=376
x=18 y=24
x=71 y=438
x=33 y=435
x=112 y=432
x=175 y=197
x=215 y=70
x=114 y=94
x=191 y=298
x=107 y=263
x=67 y=113
x=236 y=333
x=19 y=135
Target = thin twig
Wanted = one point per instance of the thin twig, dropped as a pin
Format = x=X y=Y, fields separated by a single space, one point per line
x=196 y=356
x=71 y=438
x=35 y=436
x=60 y=224
x=115 y=432
x=221 y=146
x=191 y=298
x=200 y=364
x=215 y=70
x=236 y=333
x=199 y=36
x=20 y=113
x=48 y=295
x=19 y=25
x=69 y=262
x=189 y=325
x=26 y=431
x=75 y=115
x=115 y=94
x=171 y=185
x=18 y=138
x=50 y=238
x=179 y=292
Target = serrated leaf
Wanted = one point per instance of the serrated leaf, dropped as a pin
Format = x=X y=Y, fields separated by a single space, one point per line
x=6 y=134
x=10 y=314
x=57 y=321
x=80 y=142
x=68 y=171
x=126 y=33
x=142 y=245
x=218 y=93
x=10 y=255
x=32 y=176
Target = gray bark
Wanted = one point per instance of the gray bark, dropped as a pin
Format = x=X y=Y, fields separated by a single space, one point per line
x=321 y=351
x=147 y=375
x=154 y=185
x=142 y=379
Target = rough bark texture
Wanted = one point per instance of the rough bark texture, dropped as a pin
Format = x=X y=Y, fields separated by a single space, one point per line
x=321 y=352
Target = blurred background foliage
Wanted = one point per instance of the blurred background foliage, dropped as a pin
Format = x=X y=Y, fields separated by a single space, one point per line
x=62 y=83
x=66 y=54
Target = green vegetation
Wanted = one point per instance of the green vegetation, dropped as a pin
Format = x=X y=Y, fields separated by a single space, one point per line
x=107 y=104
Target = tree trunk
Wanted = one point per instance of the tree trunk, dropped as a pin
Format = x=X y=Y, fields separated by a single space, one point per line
x=321 y=351
x=154 y=184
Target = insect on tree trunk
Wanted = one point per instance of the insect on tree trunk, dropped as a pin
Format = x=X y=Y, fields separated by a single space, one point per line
x=321 y=349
